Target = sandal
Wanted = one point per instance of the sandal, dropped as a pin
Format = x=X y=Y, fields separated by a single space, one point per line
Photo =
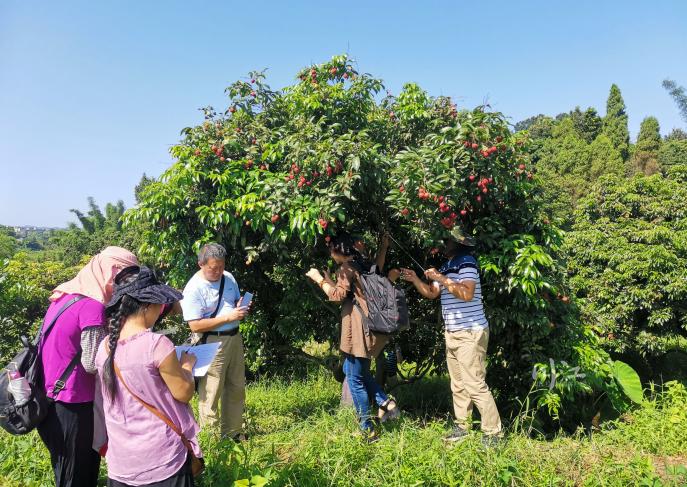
x=390 y=413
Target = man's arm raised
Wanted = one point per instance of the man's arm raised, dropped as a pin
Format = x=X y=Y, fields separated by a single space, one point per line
x=464 y=290
x=427 y=290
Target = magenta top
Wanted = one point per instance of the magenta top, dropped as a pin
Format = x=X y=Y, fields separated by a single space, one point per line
x=64 y=341
x=141 y=448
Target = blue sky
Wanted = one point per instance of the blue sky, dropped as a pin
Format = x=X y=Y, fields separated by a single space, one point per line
x=93 y=94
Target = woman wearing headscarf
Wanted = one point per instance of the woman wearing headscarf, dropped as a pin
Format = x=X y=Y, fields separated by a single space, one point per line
x=68 y=360
x=146 y=390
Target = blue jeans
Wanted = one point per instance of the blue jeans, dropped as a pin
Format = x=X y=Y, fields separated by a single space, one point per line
x=362 y=386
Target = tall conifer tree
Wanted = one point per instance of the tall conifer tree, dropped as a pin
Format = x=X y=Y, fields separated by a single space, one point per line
x=615 y=122
x=645 y=157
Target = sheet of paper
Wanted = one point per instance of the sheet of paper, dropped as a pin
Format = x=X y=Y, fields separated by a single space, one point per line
x=205 y=354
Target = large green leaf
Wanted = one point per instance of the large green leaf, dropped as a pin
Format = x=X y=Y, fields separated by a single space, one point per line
x=628 y=380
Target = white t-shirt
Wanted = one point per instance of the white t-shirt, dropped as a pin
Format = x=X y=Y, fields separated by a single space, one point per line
x=459 y=314
x=201 y=295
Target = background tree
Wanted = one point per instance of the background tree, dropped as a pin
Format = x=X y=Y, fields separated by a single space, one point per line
x=627 y=257
x=8 y=242
x=676 y=134
x=138 y=190
x=97 y=231
x=568 y=165
x=93 y=220
x=679 y=95
x=588 y=124
x=645 y=155
x=528 y=122
x=113 y=215
x=615 y=122
x=672 y=153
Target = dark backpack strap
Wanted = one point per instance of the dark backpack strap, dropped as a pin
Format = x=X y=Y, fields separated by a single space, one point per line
x=45 y=330
x=62 y=381
x=455 y=265
x=359 y=281
x=468 y=265
x=42 y=334
x=363 y=269
x=219 y=304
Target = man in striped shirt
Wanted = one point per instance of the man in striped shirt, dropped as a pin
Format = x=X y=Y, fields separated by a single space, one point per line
x=466 y=334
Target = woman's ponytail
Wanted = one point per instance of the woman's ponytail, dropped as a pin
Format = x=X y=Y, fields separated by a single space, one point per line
x=127 y=307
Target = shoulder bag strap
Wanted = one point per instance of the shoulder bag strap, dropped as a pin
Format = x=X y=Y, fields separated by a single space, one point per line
x=219 y=305
x=219 y=301
x=155 y=411
x=357 y=282
x=45 y=330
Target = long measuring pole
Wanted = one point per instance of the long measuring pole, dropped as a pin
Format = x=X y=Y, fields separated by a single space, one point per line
x=406 y=252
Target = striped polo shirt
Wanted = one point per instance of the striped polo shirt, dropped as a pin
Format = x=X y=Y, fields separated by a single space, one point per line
x=459 y=314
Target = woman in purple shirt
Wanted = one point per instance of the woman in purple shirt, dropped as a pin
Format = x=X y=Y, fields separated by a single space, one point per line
x=68 y=352
x=135 y=366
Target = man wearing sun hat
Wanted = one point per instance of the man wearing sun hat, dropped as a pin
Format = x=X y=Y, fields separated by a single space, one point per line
x=466 y=333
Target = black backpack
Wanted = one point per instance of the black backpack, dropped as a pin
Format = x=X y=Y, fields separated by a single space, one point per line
x=21 y=419
x=386 y=304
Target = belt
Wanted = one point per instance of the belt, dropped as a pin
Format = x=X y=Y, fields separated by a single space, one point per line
x=224 y=333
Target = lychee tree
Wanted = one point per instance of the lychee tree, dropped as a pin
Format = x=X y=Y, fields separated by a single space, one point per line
x=272 y=177
x=279 y=172
x=473 y=172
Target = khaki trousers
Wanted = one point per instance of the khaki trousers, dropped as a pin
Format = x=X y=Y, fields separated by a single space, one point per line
x=466 y=352
x=224 y=386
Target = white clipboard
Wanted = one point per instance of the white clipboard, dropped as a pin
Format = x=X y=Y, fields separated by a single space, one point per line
x=204 y=353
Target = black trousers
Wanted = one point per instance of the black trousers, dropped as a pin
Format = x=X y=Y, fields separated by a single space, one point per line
x=183 y=478
x=68 y=434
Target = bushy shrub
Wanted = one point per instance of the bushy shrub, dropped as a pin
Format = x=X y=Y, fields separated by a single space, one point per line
x=627 y=257
x=25 y=286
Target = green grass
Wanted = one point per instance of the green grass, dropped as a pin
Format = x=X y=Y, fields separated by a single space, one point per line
x=300 y=437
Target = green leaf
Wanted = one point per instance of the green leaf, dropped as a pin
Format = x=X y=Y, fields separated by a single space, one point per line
x=628 y=380
x=258 y=481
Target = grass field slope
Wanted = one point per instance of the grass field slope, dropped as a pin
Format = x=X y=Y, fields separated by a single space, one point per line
x=299 y=436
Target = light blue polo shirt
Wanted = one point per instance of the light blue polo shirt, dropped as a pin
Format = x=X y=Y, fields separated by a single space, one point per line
x=201 y=295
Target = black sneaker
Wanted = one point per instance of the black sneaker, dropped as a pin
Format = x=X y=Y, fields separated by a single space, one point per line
x=491 y=441
x=370 y=436
x=239 y=438
x=458 y=434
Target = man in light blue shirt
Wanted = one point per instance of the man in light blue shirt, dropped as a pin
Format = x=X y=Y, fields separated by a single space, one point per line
x=217 y=317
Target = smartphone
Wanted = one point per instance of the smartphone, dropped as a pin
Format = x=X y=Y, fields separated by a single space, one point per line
x=247 y=298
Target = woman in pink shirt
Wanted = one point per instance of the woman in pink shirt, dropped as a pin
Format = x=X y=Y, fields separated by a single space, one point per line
x=140 y=376
x=68 y=360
